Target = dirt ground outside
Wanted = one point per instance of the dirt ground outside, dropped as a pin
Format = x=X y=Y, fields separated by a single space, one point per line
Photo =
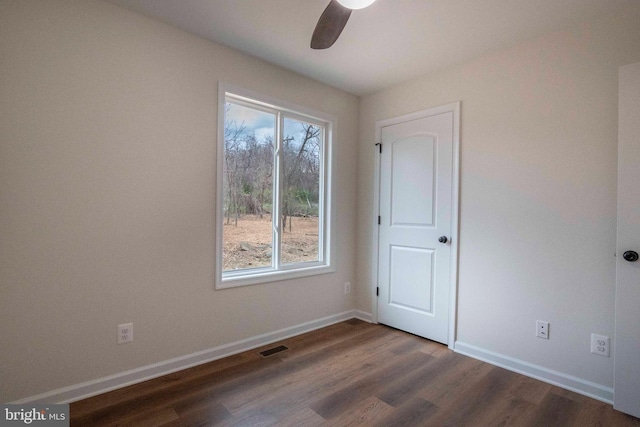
x=248 y=245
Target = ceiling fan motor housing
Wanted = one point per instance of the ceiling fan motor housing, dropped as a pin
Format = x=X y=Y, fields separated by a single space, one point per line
x=356 y=4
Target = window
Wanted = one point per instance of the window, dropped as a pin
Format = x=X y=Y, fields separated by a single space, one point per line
x=273 y=201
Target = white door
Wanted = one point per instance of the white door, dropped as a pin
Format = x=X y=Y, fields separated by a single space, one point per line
x=417 y=228
x=626 y=395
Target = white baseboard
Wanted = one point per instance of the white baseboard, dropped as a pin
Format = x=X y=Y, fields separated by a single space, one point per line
x=363 y=315
x=569 y=382
x=102 y=385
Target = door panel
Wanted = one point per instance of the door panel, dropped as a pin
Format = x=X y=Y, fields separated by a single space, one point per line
x=411 y=278
x=415 y=198
x=412 y=180
x=626 y=396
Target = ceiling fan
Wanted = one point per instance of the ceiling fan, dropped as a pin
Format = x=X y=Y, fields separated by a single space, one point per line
x=333 y=20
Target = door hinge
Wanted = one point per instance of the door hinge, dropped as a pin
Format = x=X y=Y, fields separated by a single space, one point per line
x=379 y=144
x=379 y=220
x=377 y=292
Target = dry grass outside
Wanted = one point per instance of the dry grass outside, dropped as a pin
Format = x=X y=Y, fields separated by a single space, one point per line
x=248 y=245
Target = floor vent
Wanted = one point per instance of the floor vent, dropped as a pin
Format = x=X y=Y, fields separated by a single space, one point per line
x=273 y=351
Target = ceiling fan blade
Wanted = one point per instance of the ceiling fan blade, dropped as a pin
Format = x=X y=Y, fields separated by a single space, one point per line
x=330 y=25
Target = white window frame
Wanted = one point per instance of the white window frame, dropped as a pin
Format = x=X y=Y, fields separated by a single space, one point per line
x=277 y=272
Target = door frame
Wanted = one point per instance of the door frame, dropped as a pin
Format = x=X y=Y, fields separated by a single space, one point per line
x=453 y=107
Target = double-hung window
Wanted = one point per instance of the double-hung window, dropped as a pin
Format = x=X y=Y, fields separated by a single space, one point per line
x=273 y=201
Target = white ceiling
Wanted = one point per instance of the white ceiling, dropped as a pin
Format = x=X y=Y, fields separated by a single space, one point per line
x=385 y=44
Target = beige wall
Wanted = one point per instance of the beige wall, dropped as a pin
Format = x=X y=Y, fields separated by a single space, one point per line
x=107 y=172
x=538 y=191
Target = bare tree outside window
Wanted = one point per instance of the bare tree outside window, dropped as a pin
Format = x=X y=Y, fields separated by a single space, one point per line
x=301 y=146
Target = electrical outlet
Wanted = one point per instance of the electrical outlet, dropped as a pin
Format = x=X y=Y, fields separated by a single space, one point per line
x=347 y=288
x=125 y=333
x=542 y=329
x=600 y=345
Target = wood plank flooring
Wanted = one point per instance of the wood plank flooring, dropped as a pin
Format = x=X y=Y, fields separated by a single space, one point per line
x=351 y=373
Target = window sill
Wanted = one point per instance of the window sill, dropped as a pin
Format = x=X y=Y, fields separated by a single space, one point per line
x=246 y=278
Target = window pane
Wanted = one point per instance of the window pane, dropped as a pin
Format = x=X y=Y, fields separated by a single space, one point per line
x=248 y=187
x=300 y=215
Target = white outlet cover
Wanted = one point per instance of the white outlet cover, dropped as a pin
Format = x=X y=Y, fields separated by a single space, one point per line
x=600 y=345
x=542 y=329
x=125 y=333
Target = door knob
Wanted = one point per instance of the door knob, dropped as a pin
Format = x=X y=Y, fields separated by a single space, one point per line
x=631 y=256
x=443 y=239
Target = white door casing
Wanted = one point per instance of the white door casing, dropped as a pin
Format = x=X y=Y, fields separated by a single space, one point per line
x=417 y=195
x=626 y=394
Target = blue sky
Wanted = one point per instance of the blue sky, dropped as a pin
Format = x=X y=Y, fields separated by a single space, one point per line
x=261 y=124
x=256 y=122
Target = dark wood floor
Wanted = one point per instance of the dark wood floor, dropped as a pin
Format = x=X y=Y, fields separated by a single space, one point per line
x=351 y=373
